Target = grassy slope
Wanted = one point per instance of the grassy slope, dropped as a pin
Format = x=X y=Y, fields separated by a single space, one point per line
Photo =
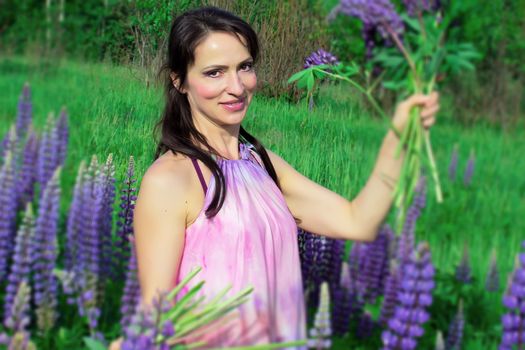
x=112 y=112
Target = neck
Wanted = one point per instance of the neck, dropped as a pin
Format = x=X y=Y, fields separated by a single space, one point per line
x=224 y=139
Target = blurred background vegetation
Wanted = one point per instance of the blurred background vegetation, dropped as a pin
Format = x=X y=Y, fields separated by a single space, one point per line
x=133 y=32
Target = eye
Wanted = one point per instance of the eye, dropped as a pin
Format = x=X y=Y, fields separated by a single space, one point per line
x=212 y=73
x=248 y=66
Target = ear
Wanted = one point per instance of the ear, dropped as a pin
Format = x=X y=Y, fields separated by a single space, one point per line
x=176 y=82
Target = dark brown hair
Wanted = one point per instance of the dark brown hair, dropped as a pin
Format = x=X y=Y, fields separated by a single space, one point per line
x=177 y=129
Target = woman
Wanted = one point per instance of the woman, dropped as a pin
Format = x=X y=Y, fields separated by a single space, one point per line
x=216 y=198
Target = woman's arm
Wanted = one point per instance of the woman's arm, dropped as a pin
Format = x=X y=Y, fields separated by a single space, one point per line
x=159 y=226
x=327 y=213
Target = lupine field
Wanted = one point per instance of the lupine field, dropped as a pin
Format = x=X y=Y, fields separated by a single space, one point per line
x=75 y=139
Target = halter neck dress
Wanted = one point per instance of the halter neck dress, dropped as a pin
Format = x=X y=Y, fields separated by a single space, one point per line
x=252 y=241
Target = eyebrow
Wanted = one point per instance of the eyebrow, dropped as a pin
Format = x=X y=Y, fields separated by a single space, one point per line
x=223 y=66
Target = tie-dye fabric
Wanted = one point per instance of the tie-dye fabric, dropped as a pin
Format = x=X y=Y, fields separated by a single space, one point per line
x=252 y=241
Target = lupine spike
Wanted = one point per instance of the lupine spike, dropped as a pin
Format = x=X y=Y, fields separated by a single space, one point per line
x=48 y=159
x=513 y=335
x=374 y=268
x=46 y=252
x=18 y=319
x=125 y=218
x=453 y=166
x=8 y=204
x=343 y=298
x=414 y=297
x=390 y=293
x=463 y=270
x=131 y=295
x=492 y=280
x=148 y=329
x=75 y=229
x=469 y=170
x=380 y=14
x=23 y=254
x=455 y=330
x=106 y=217
x=319 y=57
x=321 y=332
x=26 y=176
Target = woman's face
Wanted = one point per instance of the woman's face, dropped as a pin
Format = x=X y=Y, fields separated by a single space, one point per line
x=221 y=82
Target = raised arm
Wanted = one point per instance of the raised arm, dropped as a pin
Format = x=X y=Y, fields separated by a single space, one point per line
x=326 y=213
x=159 y=226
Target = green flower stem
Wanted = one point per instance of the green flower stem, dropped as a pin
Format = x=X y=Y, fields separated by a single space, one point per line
x=433 y=168
x=368 y=95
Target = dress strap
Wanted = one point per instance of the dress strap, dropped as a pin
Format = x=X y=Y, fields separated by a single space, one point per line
x=199 y=173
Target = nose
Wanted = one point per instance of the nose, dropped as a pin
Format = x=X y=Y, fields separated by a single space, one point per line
x=235 y=85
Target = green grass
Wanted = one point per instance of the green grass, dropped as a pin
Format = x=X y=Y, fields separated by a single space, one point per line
x=111 y=111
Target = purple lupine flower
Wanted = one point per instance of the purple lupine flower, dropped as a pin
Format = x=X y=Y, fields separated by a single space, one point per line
x=321 y=332
x=10 y=144
x=93 y=191
x=453 y=165
x=336 y=263
x=418 y=6
x=319 y=57
x=48 y=152
x=455 y=330
x=414 y=296
x=146 y=327
x=374 y=267
x=62 y=131
x=8 y=207
x=321 y=271
x=380 y=14
x=21 y=266
x=24 y=113
x=106 y=217
x=390 y=294
x=19 y=318
x=469 y=170
x=369 y=33
x=405 y=241
x=26 y=176
x=125 y=220
x=131 y=296
x=349 y=300
x=75 y=228
x=78 y=288
x=514 y=301
x=492 y=280
x=342 y=297
x=463 y=270
x=45 y=253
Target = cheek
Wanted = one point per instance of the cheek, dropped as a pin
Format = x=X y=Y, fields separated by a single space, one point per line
x=207 y=91
x=251 y=81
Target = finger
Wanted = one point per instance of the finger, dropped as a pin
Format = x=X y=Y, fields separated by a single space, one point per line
x=427 y=123
x=429 y=111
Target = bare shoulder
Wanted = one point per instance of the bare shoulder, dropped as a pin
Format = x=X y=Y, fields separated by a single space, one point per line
x=165 y=183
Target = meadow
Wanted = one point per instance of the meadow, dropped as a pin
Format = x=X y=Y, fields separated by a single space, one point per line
x=112 y=111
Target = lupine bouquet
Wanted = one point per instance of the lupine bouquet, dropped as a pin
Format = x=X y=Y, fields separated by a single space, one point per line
x=411 y=55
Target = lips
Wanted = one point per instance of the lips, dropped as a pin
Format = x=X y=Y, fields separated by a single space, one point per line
x=234 y=106
x=232 y=102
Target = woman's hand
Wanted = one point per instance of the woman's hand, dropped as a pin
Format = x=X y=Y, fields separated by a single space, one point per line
x=116 y=344
x=429 y=106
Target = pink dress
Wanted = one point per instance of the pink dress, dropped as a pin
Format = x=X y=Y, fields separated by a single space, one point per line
x=252 y=241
